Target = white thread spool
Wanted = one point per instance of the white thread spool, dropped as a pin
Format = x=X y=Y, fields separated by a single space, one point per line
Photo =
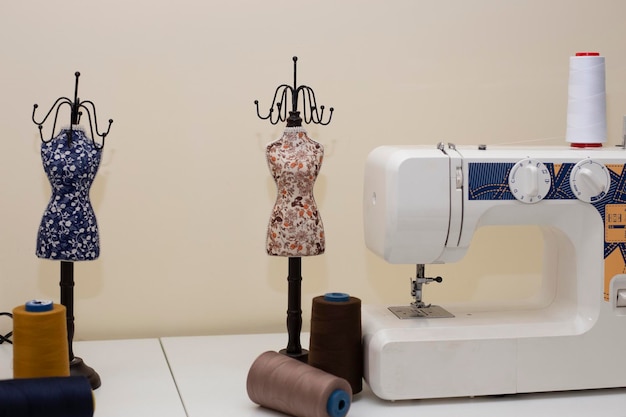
x=586 y=104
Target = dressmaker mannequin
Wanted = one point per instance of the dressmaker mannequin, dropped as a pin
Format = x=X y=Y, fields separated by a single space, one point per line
x=295 y=227
x=68 y=230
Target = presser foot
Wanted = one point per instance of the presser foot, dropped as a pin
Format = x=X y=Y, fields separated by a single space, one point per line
x=416 y=312
x=418 y=308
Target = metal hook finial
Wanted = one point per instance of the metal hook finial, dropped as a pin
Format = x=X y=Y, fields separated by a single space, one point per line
x=310 y=112
x=75 y=105
x=75 y=108
x=294 y=106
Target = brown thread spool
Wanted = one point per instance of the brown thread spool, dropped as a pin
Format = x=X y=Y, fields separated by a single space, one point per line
x=40 y=345
x=285 y=384
x=335 y=345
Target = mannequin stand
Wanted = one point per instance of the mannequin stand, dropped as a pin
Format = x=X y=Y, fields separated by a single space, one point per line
x=294 y=312
x=311 y=114
x=77 y=366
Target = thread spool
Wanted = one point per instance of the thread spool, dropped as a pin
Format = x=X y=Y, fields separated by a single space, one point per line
x=586 y=104
x=335 y=342
x=285 y=384
x=46 y=397
x=40 y=345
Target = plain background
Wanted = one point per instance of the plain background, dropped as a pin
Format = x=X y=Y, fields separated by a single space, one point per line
x=183 y=195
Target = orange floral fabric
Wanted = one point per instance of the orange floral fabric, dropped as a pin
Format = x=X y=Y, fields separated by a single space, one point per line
x=295 y=227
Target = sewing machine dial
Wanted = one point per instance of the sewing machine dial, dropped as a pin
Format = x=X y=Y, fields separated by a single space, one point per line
x=529 y=181
x=590 y=180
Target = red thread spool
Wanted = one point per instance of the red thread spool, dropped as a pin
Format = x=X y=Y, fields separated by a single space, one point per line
x=335 y=343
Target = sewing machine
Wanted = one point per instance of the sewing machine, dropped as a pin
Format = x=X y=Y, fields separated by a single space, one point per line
x=422 y=206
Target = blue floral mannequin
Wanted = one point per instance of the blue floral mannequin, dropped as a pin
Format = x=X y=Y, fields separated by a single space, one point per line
x=68 y=229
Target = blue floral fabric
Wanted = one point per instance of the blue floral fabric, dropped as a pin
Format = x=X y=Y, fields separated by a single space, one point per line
x=68 y=229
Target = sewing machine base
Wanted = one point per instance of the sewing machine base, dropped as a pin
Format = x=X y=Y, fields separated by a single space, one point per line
x=413 y=312
x=493 y=353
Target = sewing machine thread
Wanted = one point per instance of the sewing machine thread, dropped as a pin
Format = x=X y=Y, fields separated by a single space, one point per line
x=335 y=342
x=46 y=397
x=586 y=105
x=40 y=345
x=285 y=384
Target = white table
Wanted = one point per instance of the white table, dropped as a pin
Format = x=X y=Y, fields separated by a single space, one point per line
x=211 y=371
x=136 y=380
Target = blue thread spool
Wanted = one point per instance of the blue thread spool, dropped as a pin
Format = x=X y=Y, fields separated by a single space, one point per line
x=46 y=397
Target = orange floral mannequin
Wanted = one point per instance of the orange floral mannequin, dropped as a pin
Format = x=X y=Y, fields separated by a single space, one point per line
x=295 y=227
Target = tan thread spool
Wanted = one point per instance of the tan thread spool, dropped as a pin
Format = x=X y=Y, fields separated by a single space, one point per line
x=285 y=384
x=335 y=343
x=40 y=345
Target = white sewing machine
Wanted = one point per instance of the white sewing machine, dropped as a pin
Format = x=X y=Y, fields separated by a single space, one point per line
x=422 y=206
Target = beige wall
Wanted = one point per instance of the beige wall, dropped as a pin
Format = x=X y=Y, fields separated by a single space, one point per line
x=183 y=195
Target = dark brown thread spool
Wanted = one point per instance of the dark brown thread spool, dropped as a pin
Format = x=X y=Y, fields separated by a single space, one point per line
x=335 y=345
x=285 y=384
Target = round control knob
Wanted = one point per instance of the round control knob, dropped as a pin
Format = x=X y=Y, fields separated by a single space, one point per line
x=529 y=181
x=590 y=181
